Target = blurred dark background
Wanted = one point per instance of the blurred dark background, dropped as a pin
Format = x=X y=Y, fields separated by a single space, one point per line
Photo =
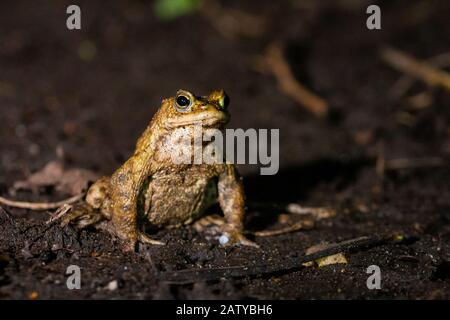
x=92 y=92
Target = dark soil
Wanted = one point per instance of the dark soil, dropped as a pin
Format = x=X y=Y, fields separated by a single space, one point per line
x=95 y=108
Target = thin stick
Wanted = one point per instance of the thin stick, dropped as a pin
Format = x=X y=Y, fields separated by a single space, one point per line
x=318 y=213
x=288 y=84
x=188 y=276
x=301 y=225
x=415 y=68
x=405 y=82
x=40 y=205
x=397 y=164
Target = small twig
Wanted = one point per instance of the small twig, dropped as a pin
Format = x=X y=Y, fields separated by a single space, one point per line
x=188 y=276
x=382 y=164
x=300 y=225
x=40 y=205
x=318 y=213
x=406 y=81
x=313 y=214
x=289 y=85
x=397 y=164
x=294 y=208
x=415 y=68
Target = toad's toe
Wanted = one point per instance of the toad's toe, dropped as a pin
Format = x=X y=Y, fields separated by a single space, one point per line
x=228 y=239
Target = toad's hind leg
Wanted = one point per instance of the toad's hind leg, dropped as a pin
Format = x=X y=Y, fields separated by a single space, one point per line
x=90 y=212
x=231 y=200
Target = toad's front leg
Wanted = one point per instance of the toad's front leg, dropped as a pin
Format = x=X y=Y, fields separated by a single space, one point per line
x=125 y=186
x=232 y=203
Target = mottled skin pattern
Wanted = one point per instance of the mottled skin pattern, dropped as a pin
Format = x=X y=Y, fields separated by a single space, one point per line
x=150 y=188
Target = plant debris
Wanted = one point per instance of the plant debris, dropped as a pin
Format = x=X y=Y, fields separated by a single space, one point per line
x=418 y=69
x=275 y=61
x=338 y=258
x=291 y=265
x=71 y=181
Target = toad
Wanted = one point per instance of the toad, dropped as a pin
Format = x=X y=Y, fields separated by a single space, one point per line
x=150 y=189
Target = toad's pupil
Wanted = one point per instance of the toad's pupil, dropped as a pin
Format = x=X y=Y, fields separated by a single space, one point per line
x=182 y=101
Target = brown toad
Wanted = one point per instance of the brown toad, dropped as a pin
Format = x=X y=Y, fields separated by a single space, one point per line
x=150 y=188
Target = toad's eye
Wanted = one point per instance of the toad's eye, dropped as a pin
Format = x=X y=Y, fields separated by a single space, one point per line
x=224 y=101
x=182 y=103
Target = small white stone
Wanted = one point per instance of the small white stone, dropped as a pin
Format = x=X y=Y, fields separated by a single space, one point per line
x=112 y=285
x=224 y=239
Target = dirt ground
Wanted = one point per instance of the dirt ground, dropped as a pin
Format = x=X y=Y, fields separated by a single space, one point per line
x=92 y=92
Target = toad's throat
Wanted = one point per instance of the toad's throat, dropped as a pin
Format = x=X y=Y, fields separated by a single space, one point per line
x=203 y=119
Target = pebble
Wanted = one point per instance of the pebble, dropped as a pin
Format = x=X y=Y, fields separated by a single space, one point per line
x=223 y=240
x=113 y=285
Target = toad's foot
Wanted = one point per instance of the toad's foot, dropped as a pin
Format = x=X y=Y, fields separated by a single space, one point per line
x=82 y=216
x=145 y=239
x=130 y=241
x=215 y=226
x=235 y=238
x=131 y=245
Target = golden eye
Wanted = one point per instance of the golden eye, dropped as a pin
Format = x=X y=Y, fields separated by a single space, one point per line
x=183 y=102
x=224 y=101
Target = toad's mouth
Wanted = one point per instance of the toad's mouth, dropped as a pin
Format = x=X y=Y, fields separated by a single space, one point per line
x=210 y=119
